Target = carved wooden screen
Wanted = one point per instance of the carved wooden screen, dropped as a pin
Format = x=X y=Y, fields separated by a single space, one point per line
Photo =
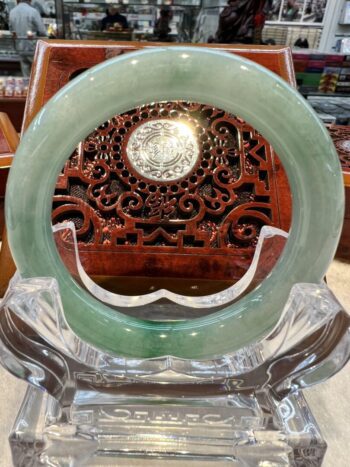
x=340 y=135
x=341 y=139
x=201 y=222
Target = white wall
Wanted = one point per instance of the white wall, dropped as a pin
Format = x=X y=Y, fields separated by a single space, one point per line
x=333 y=31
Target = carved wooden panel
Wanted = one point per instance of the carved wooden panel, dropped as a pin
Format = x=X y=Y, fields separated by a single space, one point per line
x=56 y=62
x=216 y=209
x=118 y=238
x=203 y=222
x=341 y=139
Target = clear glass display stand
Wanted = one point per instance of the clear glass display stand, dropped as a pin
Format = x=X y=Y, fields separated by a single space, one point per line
x=85 y=407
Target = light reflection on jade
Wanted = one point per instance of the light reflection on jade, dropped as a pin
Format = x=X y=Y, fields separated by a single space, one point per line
x=222 y=80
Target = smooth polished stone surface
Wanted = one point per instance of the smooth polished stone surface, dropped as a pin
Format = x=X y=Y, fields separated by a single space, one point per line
x=225 y=81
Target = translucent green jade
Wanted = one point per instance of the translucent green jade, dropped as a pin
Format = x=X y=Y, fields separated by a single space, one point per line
x=178 y=73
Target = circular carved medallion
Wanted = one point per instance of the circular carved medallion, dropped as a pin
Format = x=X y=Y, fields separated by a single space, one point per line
x=344 y=145
x=163 y=150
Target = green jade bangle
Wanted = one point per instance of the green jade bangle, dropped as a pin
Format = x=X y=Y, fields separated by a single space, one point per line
x=222 y=80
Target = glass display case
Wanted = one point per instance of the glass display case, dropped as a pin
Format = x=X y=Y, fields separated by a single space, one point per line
x=83 y=20
x=298 y=11
x=8 y=53
x=285 y=21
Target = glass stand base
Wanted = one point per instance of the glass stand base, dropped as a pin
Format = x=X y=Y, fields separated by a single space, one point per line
x=103 y=429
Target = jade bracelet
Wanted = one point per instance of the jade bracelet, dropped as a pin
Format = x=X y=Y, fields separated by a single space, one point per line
x=222 y=80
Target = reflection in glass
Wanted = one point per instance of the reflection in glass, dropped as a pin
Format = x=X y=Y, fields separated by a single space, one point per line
x=300 y=11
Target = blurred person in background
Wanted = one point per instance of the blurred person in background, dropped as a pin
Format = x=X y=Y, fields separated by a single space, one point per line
x=292 y=10
x=113 y=17
x=162 y=26
x=316 y=9
x=26 y=25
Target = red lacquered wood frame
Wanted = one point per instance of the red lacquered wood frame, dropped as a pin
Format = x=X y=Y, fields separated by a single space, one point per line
x=8 y=144
x=58 y=61
x=139 y=249
x=14 y=108
x=55 y=62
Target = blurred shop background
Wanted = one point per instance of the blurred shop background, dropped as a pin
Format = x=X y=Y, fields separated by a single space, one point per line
x=318 y=31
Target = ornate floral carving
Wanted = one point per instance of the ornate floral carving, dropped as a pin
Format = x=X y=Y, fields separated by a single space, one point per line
x=341 y=139
x=162 y=150
x=215 y=203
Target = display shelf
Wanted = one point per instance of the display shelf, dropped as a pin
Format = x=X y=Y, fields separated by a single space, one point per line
x=10 y=66
x=13 y=86
x=8 y=58
x=75 y=19
x=323 y=94
x=279 y=28
x=332 y=30
x=4 y=99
